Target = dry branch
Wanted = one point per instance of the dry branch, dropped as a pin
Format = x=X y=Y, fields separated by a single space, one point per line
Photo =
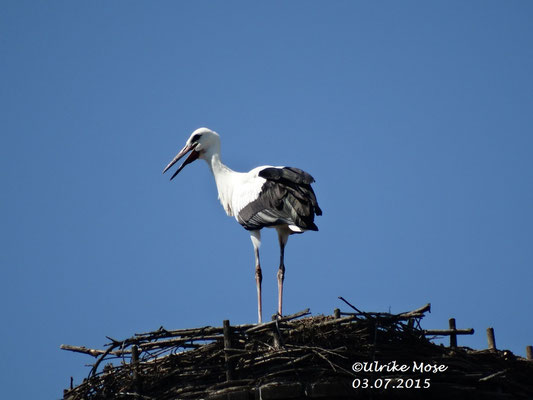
x=447 y=332
x=91 y=352
x=269 y=325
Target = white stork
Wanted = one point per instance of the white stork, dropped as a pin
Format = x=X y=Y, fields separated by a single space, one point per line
x=274 y=197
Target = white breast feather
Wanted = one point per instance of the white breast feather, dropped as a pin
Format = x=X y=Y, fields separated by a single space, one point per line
x=225 y=186
x=237 y=189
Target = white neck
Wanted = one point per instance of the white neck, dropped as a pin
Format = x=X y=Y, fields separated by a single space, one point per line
x=223 y=179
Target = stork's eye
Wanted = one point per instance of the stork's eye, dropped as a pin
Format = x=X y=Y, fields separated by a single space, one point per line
x=196 y=137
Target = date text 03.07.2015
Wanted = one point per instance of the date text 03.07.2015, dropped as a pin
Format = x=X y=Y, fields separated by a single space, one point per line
x=389 y=383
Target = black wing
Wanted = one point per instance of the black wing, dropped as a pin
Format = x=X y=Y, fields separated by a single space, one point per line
x=286 y=198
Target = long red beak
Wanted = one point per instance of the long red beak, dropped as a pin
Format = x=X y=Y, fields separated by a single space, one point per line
x=193 y=156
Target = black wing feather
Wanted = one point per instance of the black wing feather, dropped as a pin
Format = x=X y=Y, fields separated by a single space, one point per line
x=287 y=174
x=286 y=198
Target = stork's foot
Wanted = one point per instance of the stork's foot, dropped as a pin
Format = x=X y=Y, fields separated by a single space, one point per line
x=276 y=316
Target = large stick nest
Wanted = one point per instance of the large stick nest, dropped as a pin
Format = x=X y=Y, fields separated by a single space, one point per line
x=298 y=355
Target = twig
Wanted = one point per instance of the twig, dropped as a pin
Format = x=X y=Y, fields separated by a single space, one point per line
x=135 y=395
x=99 y=360
x=447 y=332
x=351 y=305
x=496 y=374
x=91 y=352
x=267 y=325
x=418 y=312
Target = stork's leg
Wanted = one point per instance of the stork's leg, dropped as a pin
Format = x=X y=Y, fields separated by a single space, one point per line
x=256 y=241
x=283 y=236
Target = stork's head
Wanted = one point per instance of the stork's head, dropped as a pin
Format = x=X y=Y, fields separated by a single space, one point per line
x=202 y=143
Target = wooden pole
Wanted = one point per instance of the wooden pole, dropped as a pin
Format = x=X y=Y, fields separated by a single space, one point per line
x=529 y=353
x=135 y=364
x=491 y=339
x=453 y=335
x=227 y=345
x=276 y=342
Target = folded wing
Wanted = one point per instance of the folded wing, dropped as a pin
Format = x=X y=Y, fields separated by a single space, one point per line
x=286 y=197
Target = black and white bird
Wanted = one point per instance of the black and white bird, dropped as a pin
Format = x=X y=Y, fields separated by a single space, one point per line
x=274 y=197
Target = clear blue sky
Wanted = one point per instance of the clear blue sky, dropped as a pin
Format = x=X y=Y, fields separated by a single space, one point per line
x=414 y=117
